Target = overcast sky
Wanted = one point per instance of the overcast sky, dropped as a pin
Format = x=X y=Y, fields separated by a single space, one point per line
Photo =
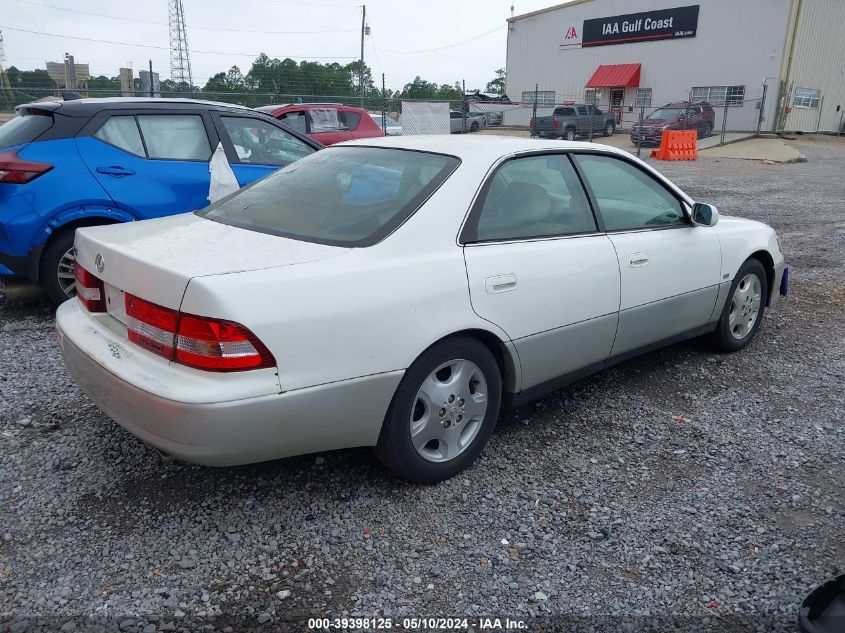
x=223 y=33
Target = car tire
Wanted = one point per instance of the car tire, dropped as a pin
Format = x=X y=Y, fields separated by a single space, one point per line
x=610 y=129
x=474 y=126
x=56 y=268
x=569 y=135
x=708 y=130
x=460 y=377
x=743 y=311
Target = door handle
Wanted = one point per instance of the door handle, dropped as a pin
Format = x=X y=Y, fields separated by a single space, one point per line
x=635 y=260
x=115 y=170
x=500 y=283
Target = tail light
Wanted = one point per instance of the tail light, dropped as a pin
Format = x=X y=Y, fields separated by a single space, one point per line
x=89 y=290
x=194 y=341
x=219 y=345
x=151 y=326
x=17 y=171
x=554 y=123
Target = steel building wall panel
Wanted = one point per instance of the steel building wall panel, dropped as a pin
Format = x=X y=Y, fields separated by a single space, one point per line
x=737 y=43
x=819 y=63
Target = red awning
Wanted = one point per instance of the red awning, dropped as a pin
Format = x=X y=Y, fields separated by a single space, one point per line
x=611 y=75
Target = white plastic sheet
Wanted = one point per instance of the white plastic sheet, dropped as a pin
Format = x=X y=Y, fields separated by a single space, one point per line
x=223 y=179
x=324 y=119
x=425 y=117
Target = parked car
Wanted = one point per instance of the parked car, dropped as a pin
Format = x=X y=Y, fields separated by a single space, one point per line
x=395 y=292
x=569 y=122
x=675 y=116
x=391 y=126
x=328 y=123
x=99 y=161
x=474 y=121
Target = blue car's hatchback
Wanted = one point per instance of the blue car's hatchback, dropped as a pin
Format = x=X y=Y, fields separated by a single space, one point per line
x=97 y=161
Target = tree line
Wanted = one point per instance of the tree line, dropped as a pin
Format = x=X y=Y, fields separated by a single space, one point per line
x=268 y=80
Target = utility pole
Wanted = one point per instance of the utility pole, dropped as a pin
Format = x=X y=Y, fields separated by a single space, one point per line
x=152 y=83
x=363 y=29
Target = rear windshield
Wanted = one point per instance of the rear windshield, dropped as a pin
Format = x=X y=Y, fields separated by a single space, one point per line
x=24 y=129
x=344 y=196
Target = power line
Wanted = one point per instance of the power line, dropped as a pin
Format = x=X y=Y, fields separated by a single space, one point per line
x=199 y=28
x=165 y=48
x=440 y=48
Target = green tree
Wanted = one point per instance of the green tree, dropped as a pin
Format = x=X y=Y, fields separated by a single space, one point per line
x=497 y=85
x=102 y=86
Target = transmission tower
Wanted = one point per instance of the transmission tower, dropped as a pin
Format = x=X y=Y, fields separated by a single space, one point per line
x=5 y=97
x=180 y=61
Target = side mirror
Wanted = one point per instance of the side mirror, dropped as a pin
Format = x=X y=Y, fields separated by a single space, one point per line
x=704 y=214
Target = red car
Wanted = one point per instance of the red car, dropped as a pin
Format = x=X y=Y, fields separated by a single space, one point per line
x=327 y=123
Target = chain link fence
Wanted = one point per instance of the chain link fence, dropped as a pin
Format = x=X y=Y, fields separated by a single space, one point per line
x=635 y=112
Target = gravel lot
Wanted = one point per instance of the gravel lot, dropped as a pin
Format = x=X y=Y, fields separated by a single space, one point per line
x=683 y=490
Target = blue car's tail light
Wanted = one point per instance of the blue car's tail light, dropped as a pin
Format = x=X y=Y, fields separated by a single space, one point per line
x=17 y=171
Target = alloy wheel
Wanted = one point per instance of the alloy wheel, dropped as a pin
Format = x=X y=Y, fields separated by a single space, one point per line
x=65 y=273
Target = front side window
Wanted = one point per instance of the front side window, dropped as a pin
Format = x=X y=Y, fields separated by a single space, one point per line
x=175 y=136
x=806 y=98
x=345 y=196
x=260 y=142
x=627 y=197
x=535 y=196
x=122 y=132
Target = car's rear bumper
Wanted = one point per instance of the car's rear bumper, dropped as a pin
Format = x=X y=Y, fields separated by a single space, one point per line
x=228 y=431
x=23 y=265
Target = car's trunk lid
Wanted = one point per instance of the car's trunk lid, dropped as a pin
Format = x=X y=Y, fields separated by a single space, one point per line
x=156 y=259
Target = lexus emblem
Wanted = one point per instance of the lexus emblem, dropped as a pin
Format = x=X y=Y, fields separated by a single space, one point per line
x=99 y=262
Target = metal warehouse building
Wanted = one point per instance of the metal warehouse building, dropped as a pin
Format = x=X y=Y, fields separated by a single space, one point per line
x=779 y=64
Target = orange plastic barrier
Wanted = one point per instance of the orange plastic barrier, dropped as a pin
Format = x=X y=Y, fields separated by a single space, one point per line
x=677 y=145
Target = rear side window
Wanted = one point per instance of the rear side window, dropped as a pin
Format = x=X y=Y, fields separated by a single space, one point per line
x=175 y=136
x=345 y=196
x=565 y=112
x=536 y=196
x=24 y=129
x=122 y=132
x=324 y=120
x=352 y=119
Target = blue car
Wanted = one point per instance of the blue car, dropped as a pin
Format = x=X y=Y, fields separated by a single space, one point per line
x=69 y=164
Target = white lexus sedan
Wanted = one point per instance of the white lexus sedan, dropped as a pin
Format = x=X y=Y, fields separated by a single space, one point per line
x=396 y=292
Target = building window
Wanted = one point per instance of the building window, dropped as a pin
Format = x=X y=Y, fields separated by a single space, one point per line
x=806 y=98
x=720 y=95
x=544 y=97
x=590 y=96
x=644 y=97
